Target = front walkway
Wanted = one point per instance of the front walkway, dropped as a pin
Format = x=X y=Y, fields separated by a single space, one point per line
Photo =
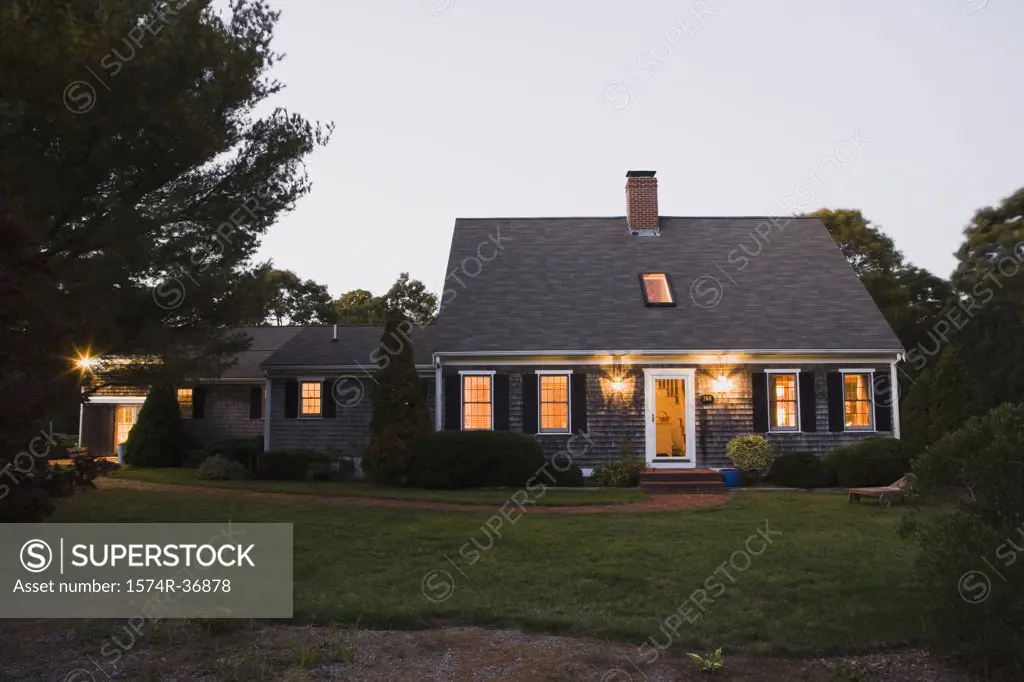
x=653 y=503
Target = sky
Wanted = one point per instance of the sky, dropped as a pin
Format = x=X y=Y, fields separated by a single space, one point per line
x=910 y=111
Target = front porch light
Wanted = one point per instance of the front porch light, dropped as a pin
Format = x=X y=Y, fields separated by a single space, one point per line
x=85 y=362
x=722 y=384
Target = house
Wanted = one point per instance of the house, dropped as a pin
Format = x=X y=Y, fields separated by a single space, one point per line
x=673 y=333
x=218 y=408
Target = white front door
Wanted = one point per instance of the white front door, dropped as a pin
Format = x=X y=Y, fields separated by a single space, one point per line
x=670 y=410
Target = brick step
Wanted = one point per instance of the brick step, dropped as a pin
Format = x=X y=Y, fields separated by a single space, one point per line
x=664 y=475
x=691 y=488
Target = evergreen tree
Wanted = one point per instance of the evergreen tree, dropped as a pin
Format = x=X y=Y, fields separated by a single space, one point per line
x=942 y=399
x=158 y=438
x=400 y=415
x=914 y=412
x=954 y=396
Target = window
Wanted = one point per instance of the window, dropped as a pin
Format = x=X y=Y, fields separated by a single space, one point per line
x=554 y=403
x=656 y=289
x=309 y=399
x=185 y=402
x=857 y=412
x=783 y=402
x=125 y=417
x=476 y=401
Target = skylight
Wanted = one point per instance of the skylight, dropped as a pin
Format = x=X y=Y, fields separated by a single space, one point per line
x=657 y=289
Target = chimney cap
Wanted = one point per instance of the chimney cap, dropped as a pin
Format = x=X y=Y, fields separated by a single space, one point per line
x=640 y=174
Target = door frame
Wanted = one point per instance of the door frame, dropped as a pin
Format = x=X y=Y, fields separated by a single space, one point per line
x=688 y=376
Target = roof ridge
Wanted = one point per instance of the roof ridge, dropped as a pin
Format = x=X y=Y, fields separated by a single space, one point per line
x=670 y=217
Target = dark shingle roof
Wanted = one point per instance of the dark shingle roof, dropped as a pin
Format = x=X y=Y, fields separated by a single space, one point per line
x=265 y=340
x=572 y=284
x=313 y=346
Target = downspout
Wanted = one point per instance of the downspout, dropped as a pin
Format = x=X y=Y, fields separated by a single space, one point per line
x=895 y=387
x=266 y=412
x=438 y=397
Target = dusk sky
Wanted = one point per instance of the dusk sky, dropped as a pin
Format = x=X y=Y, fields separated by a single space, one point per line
x=910 y=111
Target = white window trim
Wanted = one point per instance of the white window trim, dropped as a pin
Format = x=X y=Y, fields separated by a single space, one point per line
x=462 y=396
x=568 y=394
x=311 y=380
x=871 y=401
x=768 y=389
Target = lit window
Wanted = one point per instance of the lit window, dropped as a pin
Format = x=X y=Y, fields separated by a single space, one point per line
x=185 y=402
x=857 y=401
x=656 y=289
x=125 y=417
x=310 y=402
x=476 y=402
x=554 y=403
x=782 y=402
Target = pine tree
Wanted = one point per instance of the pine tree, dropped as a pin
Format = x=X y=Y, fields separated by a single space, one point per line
x=158 y=438
x=953 y=398
x=942 y=399
x=914 y=412
x=400 y=415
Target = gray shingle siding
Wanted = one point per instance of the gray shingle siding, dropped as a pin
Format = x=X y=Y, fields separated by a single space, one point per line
x=226 y=415
x=348 y=433
x=614 y=419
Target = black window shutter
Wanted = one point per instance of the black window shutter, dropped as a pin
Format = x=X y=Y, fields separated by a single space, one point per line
x=427 y=386
x=530 y=425
x=836 y=417
x=501 y=402
x=808 y=412
x=882 y=393
x=453 y=402
x=291 y=399
x=578 y=418
x=759 y=386
x=328 y=406
x=198 y=402
x=256 y=402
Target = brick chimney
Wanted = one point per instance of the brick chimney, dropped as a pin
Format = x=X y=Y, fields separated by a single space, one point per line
x=642 y=202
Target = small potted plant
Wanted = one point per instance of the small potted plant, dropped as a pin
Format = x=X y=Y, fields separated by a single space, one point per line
x=752 y=455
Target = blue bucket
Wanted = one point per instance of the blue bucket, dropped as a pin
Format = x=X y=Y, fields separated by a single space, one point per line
x=731 y=477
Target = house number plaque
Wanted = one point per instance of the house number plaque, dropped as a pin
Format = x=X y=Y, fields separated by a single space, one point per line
x=707 y=399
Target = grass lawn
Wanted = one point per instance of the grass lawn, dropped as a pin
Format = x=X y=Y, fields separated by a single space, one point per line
x=553 y=498
x=836 y=580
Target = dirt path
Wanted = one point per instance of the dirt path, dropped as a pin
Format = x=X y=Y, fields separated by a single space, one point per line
x=212 y=651
x=654 y=503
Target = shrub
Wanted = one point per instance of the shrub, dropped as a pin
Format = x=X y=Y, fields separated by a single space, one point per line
x=463 y=459
x=624 y=473
x=298 y=465
x=157 y=439
x=968 y=611
x=874 y=461
x=400 y=416
x=30 y=499
x=222 y=468
x=572 y=477
x=245 y=451
x=801 y=470
x=751 y=454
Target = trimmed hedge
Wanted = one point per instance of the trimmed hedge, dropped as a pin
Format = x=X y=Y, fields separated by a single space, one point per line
x=801 y=470
x=303 y=465
x=464 y=459
x=245 y=451
x=876 y=461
